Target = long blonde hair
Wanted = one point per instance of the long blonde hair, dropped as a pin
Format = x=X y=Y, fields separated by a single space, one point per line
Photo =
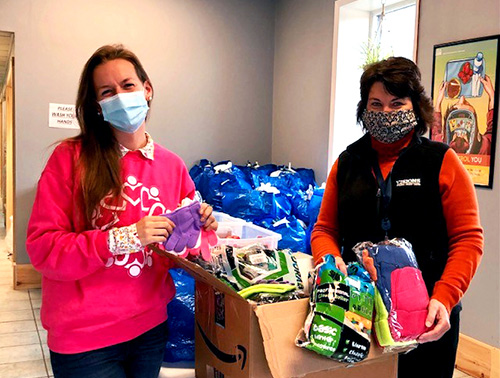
x=100 y=153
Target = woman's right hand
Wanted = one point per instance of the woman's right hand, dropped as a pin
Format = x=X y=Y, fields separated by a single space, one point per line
x=340 y=264
x=154 y=229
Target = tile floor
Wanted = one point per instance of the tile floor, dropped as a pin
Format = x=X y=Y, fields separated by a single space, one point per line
x=23 y=341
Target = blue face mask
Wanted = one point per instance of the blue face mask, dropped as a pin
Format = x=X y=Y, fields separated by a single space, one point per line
x=125 y=111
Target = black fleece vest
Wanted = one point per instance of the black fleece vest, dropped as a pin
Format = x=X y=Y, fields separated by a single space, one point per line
x=415 y=210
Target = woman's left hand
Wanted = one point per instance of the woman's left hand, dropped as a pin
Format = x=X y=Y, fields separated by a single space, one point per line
x=438 y=316
x=206 y=216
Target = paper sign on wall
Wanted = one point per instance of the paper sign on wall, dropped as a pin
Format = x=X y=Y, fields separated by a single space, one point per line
x=62 y=116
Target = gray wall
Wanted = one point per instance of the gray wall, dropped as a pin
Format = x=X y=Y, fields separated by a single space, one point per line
x=302 y=83
x=210 y=61
x=438 y=24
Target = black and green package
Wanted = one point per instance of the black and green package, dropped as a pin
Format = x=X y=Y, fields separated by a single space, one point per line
x=339 y=322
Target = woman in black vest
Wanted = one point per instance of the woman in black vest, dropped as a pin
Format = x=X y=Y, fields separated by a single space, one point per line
x=393 y=182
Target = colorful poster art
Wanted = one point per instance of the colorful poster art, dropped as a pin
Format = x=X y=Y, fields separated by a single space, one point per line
x=465 y=95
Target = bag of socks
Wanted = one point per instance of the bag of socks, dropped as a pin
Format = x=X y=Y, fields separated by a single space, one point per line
x=339 y=322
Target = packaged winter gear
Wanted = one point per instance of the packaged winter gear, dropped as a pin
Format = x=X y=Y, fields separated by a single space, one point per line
x=409 y=303
x=403 y=295
x=339 y=322
x=254 y=264
x=381 y=326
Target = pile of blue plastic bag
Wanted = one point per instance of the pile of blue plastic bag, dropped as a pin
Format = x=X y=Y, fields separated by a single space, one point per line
x=280 y=198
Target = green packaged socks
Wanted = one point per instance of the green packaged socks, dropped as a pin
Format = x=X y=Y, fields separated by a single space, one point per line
x=341 y=307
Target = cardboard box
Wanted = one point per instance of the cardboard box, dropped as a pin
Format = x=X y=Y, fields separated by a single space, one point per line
x=235 y=338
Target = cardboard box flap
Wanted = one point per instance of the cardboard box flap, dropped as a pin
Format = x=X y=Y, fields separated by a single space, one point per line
x=279 y=331
x=198 y=272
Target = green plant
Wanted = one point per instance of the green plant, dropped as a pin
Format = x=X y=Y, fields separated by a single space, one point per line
x=372 y=53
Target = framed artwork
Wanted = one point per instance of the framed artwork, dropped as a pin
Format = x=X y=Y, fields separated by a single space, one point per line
x=465 y=86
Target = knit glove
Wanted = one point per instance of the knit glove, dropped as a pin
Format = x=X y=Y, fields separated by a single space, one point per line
x=187 y=228
x=208 y=239
x=409 y=304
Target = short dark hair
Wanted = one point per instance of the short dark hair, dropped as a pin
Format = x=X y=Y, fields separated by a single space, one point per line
x=400 y=77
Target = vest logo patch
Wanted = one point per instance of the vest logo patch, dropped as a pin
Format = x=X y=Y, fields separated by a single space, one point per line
x=408 y=182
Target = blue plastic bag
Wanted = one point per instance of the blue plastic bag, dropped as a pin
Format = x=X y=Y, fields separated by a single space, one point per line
x=261 y=174
x=293 y=234
x=300 y=206
x=315 y=204
x=248 y=204
x=180 y=342
x=289 y=180
x=313 y=211
x=254 y=205
x=282 y=206
x=213 y=184
x=306 y=178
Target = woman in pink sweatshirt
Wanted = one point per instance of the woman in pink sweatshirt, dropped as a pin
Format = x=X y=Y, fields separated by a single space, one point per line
x=97 y=208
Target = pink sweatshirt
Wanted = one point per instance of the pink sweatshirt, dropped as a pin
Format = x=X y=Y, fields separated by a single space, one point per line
x=91 y=299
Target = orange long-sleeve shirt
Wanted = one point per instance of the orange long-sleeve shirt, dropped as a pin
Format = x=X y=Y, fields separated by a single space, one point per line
x=460 y=209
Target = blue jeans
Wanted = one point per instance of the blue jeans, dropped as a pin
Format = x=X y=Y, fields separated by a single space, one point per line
x=138 y=358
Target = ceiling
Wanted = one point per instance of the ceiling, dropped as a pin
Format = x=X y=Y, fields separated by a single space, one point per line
x=6 y=51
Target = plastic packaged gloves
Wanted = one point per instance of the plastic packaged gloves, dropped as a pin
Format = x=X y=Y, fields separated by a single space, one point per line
x=402 y=299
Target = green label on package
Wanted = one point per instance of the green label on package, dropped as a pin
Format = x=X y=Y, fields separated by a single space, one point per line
x=340 y=321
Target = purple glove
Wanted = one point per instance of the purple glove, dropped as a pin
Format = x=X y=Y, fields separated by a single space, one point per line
x=187 y=228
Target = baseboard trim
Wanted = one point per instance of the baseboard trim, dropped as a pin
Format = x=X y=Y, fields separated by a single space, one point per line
x=477 y=358
x=26 y=277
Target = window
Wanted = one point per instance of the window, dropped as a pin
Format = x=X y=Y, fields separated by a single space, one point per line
x=393 y=27
x=388 y=25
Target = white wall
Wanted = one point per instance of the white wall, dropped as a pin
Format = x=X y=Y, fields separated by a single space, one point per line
x=211 y=64
x=302 y=83
x=438 y=24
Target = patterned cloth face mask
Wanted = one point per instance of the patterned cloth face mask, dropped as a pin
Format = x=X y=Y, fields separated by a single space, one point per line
x=125 y=111
x=389 y=127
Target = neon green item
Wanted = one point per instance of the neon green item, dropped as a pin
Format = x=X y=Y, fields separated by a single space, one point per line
x=381 y=325
x=266 y=288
